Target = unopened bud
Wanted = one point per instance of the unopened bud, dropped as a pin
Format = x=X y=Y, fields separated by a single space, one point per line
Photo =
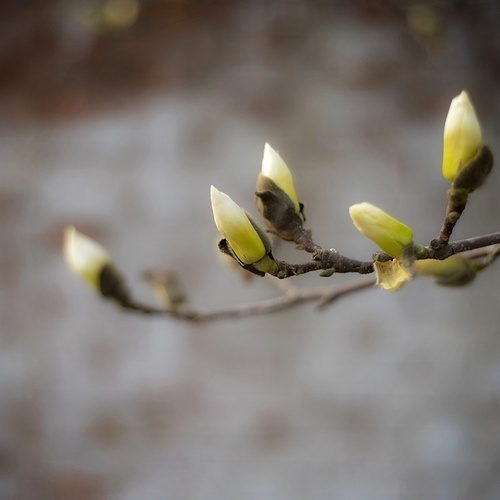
x=276 y=198
x=275 y=169
x=462 y=136
x=84 y=256
x=453 y=271
x=247 y=241
x=391 y=235
x=89 y=260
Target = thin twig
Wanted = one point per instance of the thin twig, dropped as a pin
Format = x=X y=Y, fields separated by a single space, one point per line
x=351 y=287
x=290 y=297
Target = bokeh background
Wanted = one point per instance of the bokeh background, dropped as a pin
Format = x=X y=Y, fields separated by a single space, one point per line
x=116 y=116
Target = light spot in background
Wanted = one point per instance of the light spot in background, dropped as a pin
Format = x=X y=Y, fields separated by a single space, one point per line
x=423 y=20
x=112 y=15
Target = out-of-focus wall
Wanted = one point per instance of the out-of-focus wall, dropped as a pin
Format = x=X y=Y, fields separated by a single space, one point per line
x=116 y=116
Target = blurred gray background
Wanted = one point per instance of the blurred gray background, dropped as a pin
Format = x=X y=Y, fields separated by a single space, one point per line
x=116 y=116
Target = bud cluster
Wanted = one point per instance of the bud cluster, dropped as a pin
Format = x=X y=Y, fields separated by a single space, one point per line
x=466 y=165
x=277 y=203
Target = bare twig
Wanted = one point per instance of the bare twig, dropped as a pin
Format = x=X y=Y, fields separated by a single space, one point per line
x=291 y=296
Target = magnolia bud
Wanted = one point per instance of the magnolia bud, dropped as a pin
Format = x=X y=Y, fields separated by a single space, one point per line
x=276 y=198
x=391 y=235
x=274 y=168
x=248 y=242
x=167 y=288
x=89 y=260
x=84 y=256
x=462 y=136
x=453 y=271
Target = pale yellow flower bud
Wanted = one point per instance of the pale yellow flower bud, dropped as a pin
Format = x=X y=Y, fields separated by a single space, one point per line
x=453 y=271
x=274 y=168
x=391 y=235
x=248 y=244
x=84 y=256
x=462 y=136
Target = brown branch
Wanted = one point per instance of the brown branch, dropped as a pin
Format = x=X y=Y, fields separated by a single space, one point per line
x=473 y=243
x=468 y=180
x=481 y=250
x=436 y=250
x=331 y=260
